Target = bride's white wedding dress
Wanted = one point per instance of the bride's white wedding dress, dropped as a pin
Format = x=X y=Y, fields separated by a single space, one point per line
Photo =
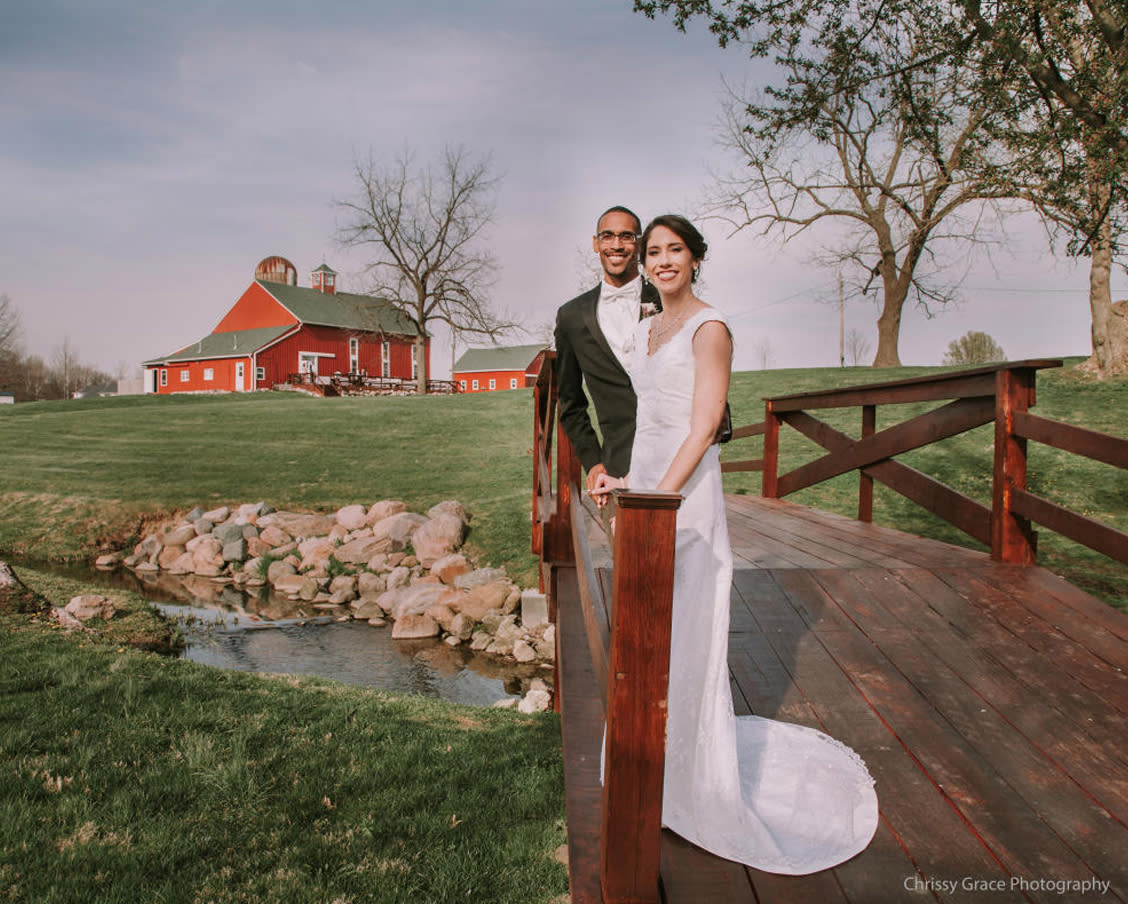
x=773 y=795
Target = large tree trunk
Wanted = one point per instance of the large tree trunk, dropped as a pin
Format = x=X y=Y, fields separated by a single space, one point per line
x=421 y=366
x=889 y=324
x=1110 y=321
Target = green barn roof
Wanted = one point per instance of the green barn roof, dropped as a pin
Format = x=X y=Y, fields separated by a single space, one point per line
x=237 y=344
x=354 y=312
x=513 y=357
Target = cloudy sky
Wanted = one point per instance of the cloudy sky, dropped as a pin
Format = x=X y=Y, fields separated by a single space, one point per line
x=154 y=152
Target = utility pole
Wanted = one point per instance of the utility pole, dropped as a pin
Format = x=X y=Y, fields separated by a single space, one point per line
x=841 y=323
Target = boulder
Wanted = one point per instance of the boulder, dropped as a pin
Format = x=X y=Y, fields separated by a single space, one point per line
x=512 y=600
x=399 y=528
x=478 y=578
x=477 y=602
x=298 y=585
x=179 y=535
x=384 y=509
x=414 y=626
x=352 y=517
x=202 y=526
x=250 y=511
x=250 y=532
x=273 y=535
x=195 y=515
x=443 y=615
x=462 y=626
x=365 y=609
x=399 y=577
x=535 y=701
x=298 y=524
x=110 y=560
x=228 y=533
x=410 y=600
x=234 y=551
x=217 y=515
x=168 y=555
x=450 y=507
x=315 y=552
x=523 y=652
x=256 y=548
x=449 y=567
x=438 y=537
x=278 y=570
x=90 y=605
x=366 y=582
x=148 y=548
x=147 y=567
x=183 y=565
x=480 y=640
x=362 y=550
x=207 y=557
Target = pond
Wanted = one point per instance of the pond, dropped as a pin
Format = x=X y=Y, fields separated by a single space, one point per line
x=264 y=632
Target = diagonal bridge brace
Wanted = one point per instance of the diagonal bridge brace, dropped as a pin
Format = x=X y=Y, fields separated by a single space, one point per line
x=873 y=455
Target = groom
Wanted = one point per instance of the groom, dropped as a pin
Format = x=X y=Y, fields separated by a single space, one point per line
x=591 y=337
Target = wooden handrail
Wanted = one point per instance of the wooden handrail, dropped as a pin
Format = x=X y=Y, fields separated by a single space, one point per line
x=628 y=637
x=1002 y=394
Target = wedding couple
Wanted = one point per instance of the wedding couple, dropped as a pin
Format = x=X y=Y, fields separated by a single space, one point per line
x=772 y=795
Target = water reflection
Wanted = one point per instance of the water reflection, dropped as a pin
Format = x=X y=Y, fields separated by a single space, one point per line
x=259 y=631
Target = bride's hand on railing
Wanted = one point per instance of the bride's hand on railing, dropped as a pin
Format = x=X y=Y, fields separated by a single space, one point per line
x=604 y=484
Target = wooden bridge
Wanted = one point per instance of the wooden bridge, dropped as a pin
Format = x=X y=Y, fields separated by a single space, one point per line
x=988 y=697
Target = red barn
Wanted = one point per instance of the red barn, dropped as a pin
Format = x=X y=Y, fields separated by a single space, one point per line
x=489 y=369
x=277 y=329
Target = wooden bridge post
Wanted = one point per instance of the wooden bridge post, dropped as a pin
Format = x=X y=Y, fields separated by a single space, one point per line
x=769 y=486
x=638 y=682
x=1012 y=539
x=865 y=482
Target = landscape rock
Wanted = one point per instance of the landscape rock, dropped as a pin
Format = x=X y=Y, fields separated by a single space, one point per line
x=148 y=548
x=352 y=517
x=523 y=652
x=384 y=509
x=110 y=560
x=272 y=535
x=278 y=570
x=183 y=565
x=449 y=567
x=398 y=577
x=438 y=537
x=414 y=626
x=298 y=524
x=411 y=600
x=256 y=548
x=479 y=577
x=399 y=528
x=90 y=605
x=361 y=550
x=298 y=585
x=217 y=515
x=535 y=701
x=228 y=533
x=202 y=526
x=462 y=626
x=450 y=507
x=167 y=556
x=179 y=535
x=365 y=609
x=235 y=550
x=207 y=557
x=482 y=598
x=366 y=583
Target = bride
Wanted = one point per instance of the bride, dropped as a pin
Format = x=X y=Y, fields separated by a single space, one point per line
x=772 y=795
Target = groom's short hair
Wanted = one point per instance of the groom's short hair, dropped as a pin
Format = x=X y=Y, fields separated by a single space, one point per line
x=619 y=208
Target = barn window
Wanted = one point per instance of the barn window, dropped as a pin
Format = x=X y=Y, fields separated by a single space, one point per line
x=493 y=383
x=462 y=385
x=512 y=382
x=385 y=358
x=184 y=375
x=260 y=373
x=209 y=374
x=474 y=386
x=164 y=377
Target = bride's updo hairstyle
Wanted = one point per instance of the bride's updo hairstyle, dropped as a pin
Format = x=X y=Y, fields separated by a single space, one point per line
x=684 y=230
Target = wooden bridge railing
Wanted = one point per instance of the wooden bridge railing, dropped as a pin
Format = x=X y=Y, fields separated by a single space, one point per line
x=1002 y=394
x=628 y=638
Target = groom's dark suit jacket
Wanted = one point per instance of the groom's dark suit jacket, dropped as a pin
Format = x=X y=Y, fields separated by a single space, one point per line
x=582 y=354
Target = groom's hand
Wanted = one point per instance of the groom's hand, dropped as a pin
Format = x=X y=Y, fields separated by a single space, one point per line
x=593 y=476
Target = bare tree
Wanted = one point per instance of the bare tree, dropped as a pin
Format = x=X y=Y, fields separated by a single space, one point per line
x=425 y=229
x=888 y=164
x=9 y=328
x=857 y=346
x=65 y=364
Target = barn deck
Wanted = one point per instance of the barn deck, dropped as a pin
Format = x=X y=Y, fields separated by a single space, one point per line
x=989 y=701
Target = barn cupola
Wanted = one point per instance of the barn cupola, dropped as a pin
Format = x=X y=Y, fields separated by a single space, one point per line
x=324 y=279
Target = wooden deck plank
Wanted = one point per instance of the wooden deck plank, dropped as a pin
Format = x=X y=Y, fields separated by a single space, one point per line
x=1014 y=832
x=914 y=812
x=990 y=703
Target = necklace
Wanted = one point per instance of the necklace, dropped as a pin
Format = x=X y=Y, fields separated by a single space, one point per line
x=658 y=330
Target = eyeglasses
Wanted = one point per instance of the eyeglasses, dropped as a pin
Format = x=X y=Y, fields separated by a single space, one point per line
x=623 y=238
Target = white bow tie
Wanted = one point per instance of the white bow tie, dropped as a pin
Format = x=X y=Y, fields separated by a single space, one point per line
x=619 y=293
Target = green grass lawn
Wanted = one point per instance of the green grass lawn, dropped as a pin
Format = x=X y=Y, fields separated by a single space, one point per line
x=127 y=776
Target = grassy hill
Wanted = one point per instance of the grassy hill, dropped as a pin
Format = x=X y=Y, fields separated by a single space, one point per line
x=82 y=475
